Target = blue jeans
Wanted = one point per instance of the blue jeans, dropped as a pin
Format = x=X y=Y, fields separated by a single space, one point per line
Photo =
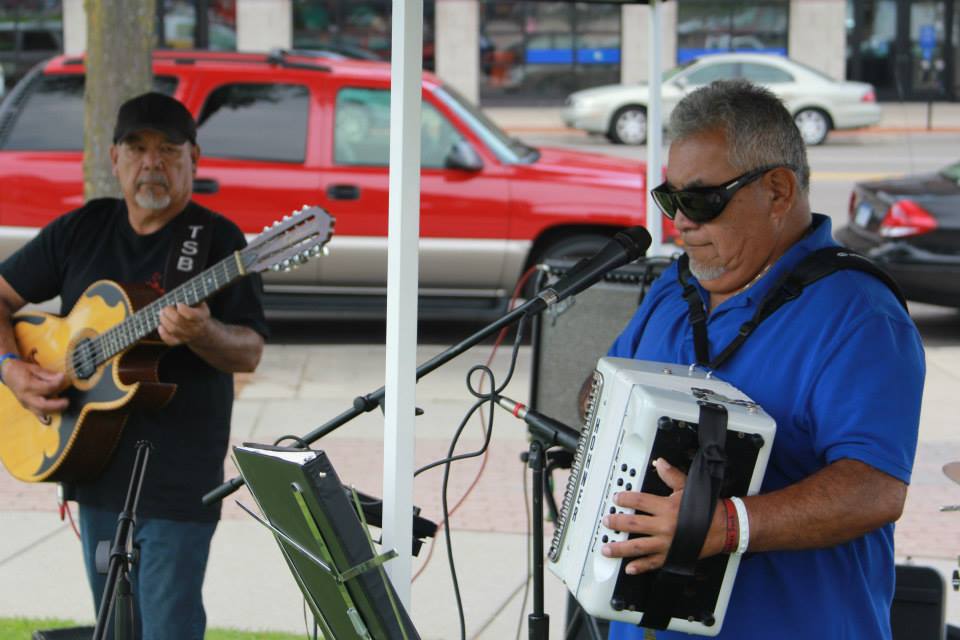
x=167 y=580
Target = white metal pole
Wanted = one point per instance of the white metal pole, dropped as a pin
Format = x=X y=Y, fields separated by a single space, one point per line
x=654 y=131
x=406 y=70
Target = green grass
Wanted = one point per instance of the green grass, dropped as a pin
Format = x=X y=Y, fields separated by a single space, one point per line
x=23 y=628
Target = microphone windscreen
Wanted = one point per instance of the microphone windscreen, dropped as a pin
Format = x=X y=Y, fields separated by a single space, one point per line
x=635 y=240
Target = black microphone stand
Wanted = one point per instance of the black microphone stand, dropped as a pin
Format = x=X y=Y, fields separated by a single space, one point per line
x=538 y=621
x=369 y=402
x=627 y=245
x=117 y=593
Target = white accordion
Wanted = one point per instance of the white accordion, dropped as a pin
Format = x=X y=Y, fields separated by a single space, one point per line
x=640 y=411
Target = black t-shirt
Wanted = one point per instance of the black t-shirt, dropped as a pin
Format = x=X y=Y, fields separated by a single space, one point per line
x=190 y=433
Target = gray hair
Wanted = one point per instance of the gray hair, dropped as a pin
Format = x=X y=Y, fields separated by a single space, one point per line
x=758 y=128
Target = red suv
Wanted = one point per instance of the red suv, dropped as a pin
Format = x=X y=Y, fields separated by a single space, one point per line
x=280 y=130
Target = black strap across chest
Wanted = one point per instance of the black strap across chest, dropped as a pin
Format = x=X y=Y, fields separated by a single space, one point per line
x=192 y=236
x=815 y=266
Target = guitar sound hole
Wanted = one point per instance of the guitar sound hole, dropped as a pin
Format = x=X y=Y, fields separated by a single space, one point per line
x=84 y=360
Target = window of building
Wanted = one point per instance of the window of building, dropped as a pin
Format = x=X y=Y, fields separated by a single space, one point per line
x=354 y=28
x=30 y=31
x=181 y=27
x=255 y=122
x=54 y=99
x=713 y=26
x=542 y=51
x=361 y=135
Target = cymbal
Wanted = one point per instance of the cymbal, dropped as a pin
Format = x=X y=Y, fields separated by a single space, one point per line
x=952 y=471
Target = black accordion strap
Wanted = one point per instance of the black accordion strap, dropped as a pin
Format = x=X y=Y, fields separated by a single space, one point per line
x=697 y=506
x=698 y=317
x=815 y=266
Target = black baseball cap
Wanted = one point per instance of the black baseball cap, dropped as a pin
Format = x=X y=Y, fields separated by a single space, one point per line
x=157 y=112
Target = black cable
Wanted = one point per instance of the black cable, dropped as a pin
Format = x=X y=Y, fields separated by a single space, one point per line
x=303 y=444
x=482 y=399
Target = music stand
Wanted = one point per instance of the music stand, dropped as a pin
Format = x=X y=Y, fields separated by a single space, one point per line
x=327 y=548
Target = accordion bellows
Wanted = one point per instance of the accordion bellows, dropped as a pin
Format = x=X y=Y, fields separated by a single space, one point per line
x=640 y=411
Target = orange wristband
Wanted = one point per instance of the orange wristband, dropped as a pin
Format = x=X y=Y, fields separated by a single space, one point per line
x=732 y=537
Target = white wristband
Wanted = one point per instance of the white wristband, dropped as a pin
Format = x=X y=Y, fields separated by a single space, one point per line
x=744 y=524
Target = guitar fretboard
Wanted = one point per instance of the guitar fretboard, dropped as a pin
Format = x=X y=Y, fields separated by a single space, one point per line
x=146 y=320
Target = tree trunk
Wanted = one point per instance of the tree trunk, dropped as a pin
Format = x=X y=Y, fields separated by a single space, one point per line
x=120 y=36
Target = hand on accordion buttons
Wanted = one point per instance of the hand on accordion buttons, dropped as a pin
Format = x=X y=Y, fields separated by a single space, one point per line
x=656 y=520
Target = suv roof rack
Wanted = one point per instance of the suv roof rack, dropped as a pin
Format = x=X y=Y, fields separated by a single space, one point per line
x=275 y=56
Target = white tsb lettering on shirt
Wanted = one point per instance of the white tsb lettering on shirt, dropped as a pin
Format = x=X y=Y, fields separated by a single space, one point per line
x=189 y=248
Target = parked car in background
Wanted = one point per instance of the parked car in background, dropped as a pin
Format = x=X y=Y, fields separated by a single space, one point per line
x=911 y=227
x=281 y=130
x=818 y=102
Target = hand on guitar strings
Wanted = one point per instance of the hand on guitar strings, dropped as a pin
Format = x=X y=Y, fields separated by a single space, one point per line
x=36 y=388
x=656 y=522
x=183 y=324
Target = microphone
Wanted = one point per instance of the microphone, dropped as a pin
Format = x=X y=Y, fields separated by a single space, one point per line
x=552 y=432
x=625 y=246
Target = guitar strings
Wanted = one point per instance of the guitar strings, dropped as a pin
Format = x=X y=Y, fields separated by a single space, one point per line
x=91 y=353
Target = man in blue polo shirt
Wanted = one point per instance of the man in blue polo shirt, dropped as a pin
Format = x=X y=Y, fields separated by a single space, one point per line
x=840 y=369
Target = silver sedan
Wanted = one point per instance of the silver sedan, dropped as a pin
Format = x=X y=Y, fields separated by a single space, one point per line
x=818 y=102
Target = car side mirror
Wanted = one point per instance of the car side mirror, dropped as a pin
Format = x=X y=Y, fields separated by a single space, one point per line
x=681 y=83
x=464 y=157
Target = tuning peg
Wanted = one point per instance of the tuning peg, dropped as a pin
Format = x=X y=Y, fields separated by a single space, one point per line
x=325 y=250
x=275 y=267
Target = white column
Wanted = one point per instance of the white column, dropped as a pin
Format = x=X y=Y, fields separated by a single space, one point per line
x=457 y=45
x=635 y=47
x=654 y=222
x=818 y=36
x=74 y=27
x=406 y=68
x=264 y=24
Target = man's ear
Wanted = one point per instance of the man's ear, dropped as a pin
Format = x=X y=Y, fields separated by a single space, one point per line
x=784 y=188
x=114 y=155
x=194 y=156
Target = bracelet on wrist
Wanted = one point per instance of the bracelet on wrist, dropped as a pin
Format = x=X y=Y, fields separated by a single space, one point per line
x=4 y=358
x=732 y=536
x=744 y=523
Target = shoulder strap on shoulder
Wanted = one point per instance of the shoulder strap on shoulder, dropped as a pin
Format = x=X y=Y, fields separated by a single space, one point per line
x=192 y=236
x=815 y=266
x=697 y=313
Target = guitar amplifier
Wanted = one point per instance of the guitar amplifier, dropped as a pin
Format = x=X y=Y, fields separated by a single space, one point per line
x=570 y=336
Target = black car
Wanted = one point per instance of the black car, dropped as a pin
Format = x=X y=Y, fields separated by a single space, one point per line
x=911 y=227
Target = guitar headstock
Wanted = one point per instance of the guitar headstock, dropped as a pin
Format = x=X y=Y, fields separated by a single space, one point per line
x=290 y=242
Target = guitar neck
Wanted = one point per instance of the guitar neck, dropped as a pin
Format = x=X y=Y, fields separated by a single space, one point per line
x=146 y=320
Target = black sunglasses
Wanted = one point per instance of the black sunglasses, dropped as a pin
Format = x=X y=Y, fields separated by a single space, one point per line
x=703 y=204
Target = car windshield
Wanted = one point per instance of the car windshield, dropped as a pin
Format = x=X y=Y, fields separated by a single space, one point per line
x=952 y=172
x=673 y=72
x=508 y=150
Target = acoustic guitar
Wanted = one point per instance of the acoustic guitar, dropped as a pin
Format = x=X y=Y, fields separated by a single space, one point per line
x=108 y=350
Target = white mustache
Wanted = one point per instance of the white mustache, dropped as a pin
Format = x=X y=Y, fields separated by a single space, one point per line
x=157 y=179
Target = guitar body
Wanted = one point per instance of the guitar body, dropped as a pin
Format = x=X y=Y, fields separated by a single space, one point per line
x=76 y=444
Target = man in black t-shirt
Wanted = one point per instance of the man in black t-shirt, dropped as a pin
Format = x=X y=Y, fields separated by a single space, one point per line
x=133 y=240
